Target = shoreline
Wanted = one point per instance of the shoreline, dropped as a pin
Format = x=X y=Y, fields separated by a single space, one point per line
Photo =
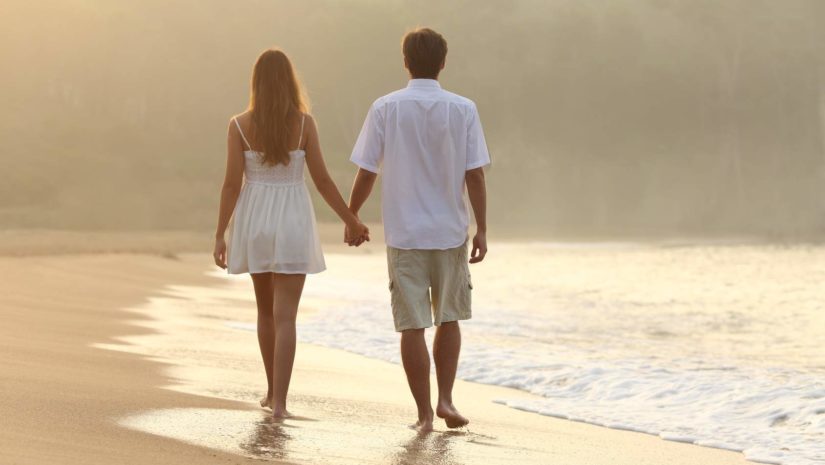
x=145 y=379
x=60 y=394
x=171 y=243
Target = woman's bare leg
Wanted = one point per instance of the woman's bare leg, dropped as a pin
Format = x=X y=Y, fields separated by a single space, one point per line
x=288 y=289
x=264 y=284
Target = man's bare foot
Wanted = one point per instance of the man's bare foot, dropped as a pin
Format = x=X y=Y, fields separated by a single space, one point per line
x=280 y=414
x=423 y=426
x=451 y=416
x=424 y=423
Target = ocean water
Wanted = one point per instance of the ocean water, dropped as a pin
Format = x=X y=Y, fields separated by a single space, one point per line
x=716 y=345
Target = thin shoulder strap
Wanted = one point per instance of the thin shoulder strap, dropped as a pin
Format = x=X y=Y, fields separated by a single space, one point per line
x=301 y=134
x=241 y=131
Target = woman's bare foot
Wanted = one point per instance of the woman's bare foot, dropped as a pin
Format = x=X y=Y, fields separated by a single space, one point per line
x=451 y=416
x=266 y=402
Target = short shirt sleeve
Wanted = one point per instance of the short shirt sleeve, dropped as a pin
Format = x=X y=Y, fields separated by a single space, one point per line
x=477 y=154
x=368 y=152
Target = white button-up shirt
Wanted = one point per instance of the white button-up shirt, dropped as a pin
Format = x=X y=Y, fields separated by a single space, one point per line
x=422 y=139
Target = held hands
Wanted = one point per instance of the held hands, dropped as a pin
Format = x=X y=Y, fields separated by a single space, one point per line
x=356 y=234
x=220 y=252
x=479 y=247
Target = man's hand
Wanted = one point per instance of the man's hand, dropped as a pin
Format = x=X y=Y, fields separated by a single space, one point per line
x=479 y=247
x=356 y=234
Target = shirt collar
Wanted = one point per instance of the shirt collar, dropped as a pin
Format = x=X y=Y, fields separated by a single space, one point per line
x=424 y=83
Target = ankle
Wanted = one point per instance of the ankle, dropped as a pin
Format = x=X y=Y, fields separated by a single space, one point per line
x=426 y=415
x=445 y=403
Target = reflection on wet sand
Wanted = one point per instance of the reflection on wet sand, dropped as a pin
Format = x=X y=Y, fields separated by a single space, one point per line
x=268 y=440
x=331 y=437
x=435 y=448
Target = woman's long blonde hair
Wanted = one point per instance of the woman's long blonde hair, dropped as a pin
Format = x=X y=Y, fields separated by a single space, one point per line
x=276 y=99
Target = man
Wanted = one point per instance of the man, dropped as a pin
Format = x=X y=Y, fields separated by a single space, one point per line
x=428 y=144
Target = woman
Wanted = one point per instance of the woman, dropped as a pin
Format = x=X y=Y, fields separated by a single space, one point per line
x=273 y=235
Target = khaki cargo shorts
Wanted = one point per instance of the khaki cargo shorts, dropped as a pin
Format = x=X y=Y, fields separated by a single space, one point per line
x=429 y=286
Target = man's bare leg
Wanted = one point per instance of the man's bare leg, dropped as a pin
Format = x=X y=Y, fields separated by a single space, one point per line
x=446 y=348
x=416 y=360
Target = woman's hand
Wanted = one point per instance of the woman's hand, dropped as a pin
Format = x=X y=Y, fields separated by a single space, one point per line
x=220 y=252
x=355 y=234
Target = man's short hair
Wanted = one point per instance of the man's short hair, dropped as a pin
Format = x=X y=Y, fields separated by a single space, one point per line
x=425 y=51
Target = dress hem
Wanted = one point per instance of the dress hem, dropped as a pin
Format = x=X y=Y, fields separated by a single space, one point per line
x=276 y=271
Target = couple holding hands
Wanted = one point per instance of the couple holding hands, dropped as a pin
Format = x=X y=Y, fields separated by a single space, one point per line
x=428 y=145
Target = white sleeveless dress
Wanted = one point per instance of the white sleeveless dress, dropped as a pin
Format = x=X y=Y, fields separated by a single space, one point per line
x=273 y=226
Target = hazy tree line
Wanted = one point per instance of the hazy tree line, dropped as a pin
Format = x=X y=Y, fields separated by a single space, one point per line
x=620 y=117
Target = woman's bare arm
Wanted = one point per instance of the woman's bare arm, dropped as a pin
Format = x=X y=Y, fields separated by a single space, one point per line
x=232 y=183
x=326 y=186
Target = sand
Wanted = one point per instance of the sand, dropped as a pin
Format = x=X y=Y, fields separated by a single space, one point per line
x=64 y=399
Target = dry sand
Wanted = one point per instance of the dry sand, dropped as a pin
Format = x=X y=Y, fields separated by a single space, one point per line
x=61 y=397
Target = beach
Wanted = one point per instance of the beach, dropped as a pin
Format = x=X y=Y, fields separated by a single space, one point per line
x=77 y=388
x=648 y=174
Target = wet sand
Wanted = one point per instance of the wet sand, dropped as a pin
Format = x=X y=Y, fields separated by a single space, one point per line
x=59 y=396
x=66 y=398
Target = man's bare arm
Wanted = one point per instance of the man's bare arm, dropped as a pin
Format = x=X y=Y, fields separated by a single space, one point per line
x=361 y=189
x=477 y=191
